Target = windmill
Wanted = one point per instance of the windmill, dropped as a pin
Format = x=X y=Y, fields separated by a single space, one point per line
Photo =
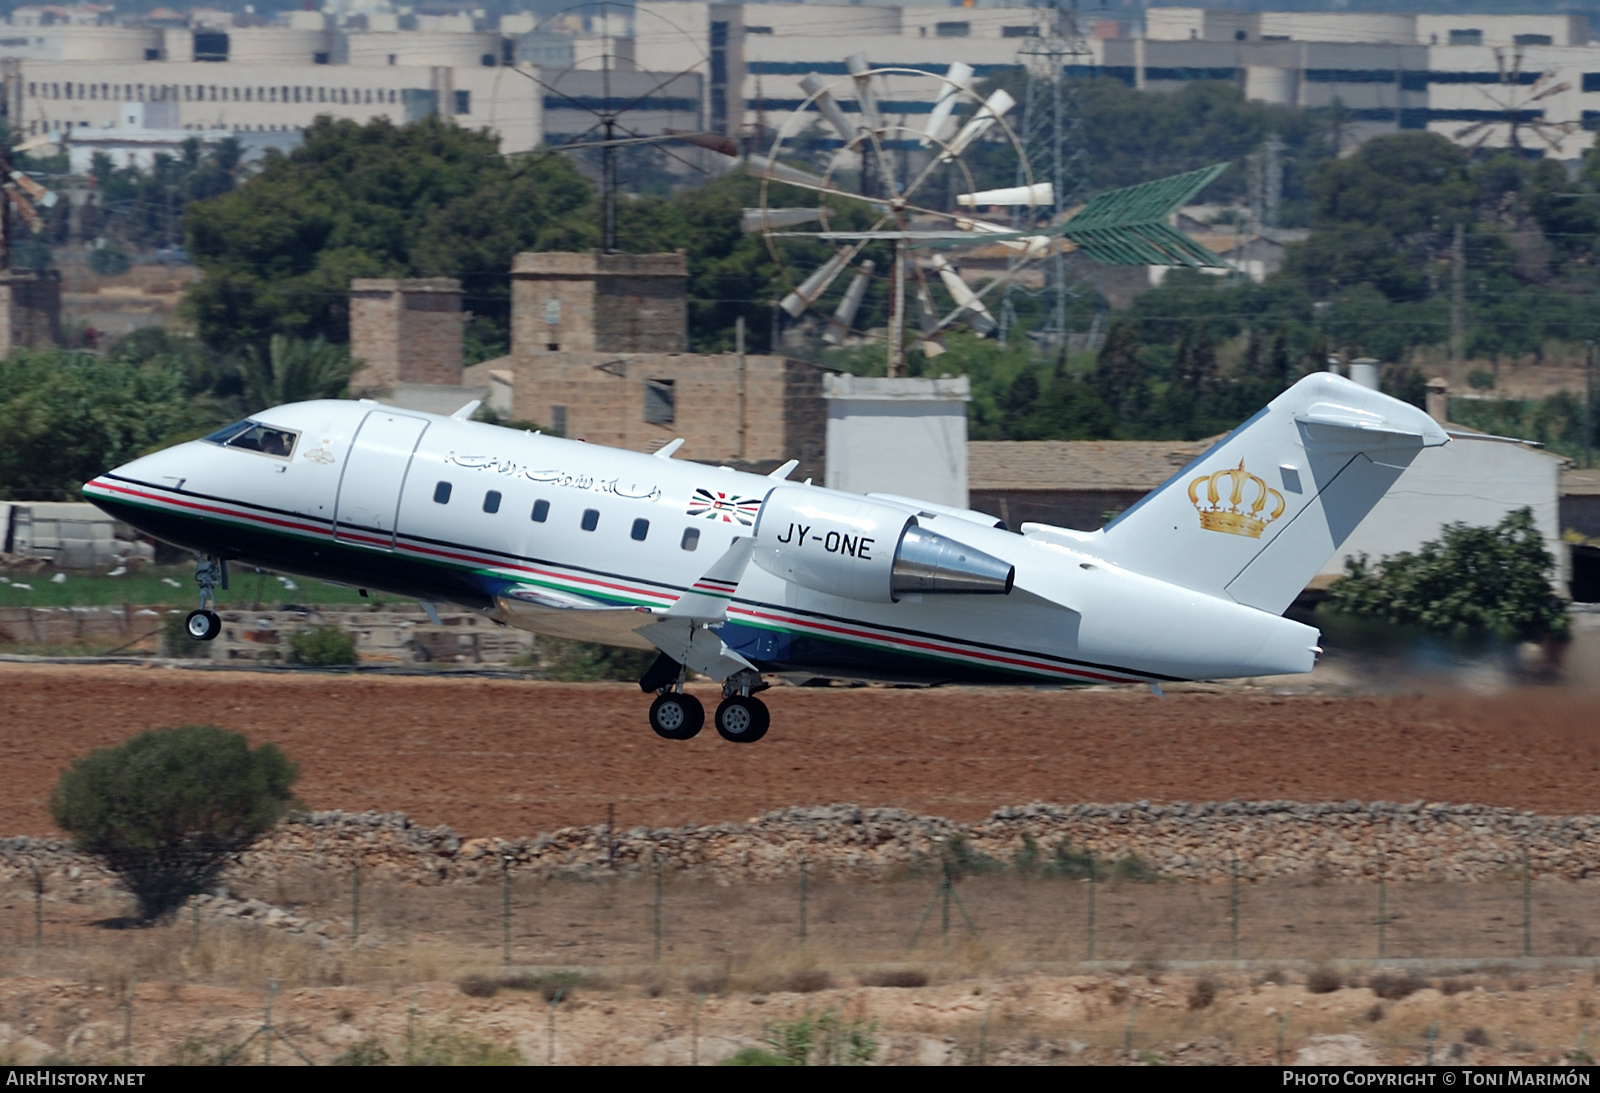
x=23 y=195
x=914 y=186
x=1514 y=115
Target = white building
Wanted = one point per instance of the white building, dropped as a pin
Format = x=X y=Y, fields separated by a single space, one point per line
x=901 y=436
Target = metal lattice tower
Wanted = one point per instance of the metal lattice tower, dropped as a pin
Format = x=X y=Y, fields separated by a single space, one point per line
x=1053 y=136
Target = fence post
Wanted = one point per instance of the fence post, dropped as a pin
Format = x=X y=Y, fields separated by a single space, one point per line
x=550 y=1056
x=355 y=904
x=505 y=908
x=1383 y=905
x=38 y=905
x=1233 y=912
x=802 y=900
x=1127 y=1033
x=611 y=835
x=127 y=1022
x=655 y=918
x=1283 y=1026
x=983 y=1037
x=1091 y=906
x=194 y=922
x=1527 y=903
x=1433 y=1034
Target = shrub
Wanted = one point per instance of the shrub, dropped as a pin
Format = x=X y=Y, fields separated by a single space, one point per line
x=901 y=977
x=1397 y=985
x=1203 y=993
x=322 y=647
x=1323 y=981
x=367 y=1052
x=167 y=809
x=821 y=1039
x=1469 y=581
x=808 y=981
x=1476 y=1036
x=586 y=662
x=109 y=261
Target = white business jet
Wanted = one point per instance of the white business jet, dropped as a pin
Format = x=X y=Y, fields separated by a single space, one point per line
x=736 y=576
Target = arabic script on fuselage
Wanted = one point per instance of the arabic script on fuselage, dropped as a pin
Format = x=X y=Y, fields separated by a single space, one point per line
x=631 y=490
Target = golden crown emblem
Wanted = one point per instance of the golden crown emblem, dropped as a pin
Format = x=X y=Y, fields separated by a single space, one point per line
x=1237 y=499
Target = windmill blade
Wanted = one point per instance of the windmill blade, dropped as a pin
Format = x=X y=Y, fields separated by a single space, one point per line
x=1031 y=245
x=812 y=288
x=881 y=236
x=931 y=341
x=40 y=195
x=1463 y=134
x=1040 y=193
x=762 y=167
x=861 y=73
x=1129 y=227
x=714 y=141
x=1553 y=90
x=819 y=94
x=995 y=107
x=956 y=80
x=967 y=301
x=25 y=207
x=38 y=141
x=756 y=220
x=844 y=316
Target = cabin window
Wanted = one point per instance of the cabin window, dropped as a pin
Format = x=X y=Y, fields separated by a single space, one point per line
x=491 y=501
x=253 y=436
x=691 y=538
x=541 y=511
x=441 y=493
x=591 y=519
x=641 y=528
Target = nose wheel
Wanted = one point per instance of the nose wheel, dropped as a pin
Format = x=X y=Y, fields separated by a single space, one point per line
x=675 y=715
x=204 y=625
x=742 y=719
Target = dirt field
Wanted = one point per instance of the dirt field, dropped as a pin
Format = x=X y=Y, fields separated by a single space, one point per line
x=495 y=757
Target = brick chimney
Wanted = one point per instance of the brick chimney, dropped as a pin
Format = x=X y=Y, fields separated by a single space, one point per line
x=406 y=331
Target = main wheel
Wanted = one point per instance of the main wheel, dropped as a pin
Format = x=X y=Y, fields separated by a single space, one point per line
x=203 y=625
x=677 y=716
x=743 y=720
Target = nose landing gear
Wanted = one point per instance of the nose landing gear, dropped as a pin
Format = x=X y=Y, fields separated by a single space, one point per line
x=209 y=573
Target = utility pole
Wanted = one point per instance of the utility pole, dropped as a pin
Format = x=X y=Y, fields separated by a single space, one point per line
x=1588 y=405
x=1458 y=288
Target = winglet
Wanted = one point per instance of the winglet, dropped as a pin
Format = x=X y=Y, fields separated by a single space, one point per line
x=783 y=472
x=468 y=410
x=709 y=596
x=667 y=450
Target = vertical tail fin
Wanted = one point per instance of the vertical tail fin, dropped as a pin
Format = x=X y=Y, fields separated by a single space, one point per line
x=1258 y=515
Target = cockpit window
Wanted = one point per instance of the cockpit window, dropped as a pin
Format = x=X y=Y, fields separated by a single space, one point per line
x=253 y=436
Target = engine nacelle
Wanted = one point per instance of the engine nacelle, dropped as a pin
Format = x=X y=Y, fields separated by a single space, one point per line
x=851 y=546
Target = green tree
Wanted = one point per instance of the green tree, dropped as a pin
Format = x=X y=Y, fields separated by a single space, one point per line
x=376 y=200
x=293 y=370
x=1471 y=580
x=168 y=809
x=67 y=416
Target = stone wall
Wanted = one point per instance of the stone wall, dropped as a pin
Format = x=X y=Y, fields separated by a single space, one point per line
x=602 y=396
x=1205 y=843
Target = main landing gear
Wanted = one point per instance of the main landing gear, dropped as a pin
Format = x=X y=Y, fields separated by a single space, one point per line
x=676 y=715
x=209 y=573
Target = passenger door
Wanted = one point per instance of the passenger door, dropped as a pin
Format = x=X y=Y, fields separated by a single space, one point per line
x=374 y=475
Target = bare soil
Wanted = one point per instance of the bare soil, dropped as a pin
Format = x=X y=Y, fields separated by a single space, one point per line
x=505 y=757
